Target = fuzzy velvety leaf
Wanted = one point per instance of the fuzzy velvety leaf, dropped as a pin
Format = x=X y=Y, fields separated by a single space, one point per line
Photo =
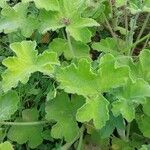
x=145 y=64
x=95 y=109
x=26 y=62
x=8 y=105
x=63 y=111
x=61 y=47
x=131 y=95
x=146 y=107
x=46 y=4
x=78 y=79
x=14 y=18
x=109 y=75
x=3 y=3
x=27 y=134
x=6 y=146
x=143 y=123
x=110 y=45
x=68 y=17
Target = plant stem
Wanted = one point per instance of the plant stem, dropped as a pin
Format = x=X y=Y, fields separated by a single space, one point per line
x=131 y=33
x=126 y=21
x=24 y=123
x=109 y=27
x=80 y=141
x=146 y=42
x=70 y=44
x=128 y=131
x=142 y=29
x=139 y=41
x=68 y=145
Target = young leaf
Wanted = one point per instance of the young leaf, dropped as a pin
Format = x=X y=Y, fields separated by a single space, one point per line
x=63 y=111
x=95 y=109
x=46 y=4
x=61 y=47
x=6 y=146
x=27 y=134
x=78 y=79
x=8 y=105
x=68 y=17
x=26 y=62
x=14 y=18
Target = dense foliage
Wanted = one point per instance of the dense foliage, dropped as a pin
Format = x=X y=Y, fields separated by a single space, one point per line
x=75 y=74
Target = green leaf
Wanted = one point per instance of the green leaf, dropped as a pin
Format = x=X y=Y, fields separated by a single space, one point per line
x=15 y=18
x=110 y=45
x=120 y=3
x=8 y=105
x=27 y=134
x=63 y=111
x=130 y=96
x=146 y=107
x=143 y=123
x=61 y=47
x=110 y=75
x=78 y=79
x=46 y=4
x=144 y=62
x=70 y=18
x=95 y=109
x=3 y=3
x=145 y=147
x=139 y=6
x=26 y=62
x=6 y=146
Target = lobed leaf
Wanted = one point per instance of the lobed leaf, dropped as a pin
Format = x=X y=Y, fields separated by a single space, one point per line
x=63 y=111
x=26 y=62
x=25 y=134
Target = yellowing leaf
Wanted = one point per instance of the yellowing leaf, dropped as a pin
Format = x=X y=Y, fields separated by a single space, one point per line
x=26 y=62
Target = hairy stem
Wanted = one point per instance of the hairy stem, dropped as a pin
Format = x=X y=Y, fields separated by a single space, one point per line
x=80 y=140
x=139 y=41
x=142 y=29
x=128 y=131
x=70 y=44
x=109 y=27
x=131 y=33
